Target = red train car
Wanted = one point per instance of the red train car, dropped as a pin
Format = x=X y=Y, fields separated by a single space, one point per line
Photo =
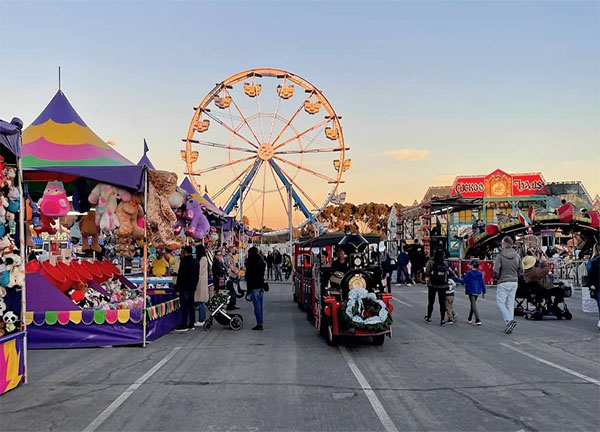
x=342 y=296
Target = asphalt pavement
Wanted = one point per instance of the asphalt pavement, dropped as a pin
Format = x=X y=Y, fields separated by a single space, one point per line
x=543 y=377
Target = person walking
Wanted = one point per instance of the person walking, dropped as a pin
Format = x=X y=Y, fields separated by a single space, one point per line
x=277 y=260
x=507 y=269
x=449 y=302
x=187 y=280
x=592 y=280
x=402 y=275
x=474 y=287
x=437 y=284
x=270 y=265
x=387 y=269
x=255 y=283
x=202 y=291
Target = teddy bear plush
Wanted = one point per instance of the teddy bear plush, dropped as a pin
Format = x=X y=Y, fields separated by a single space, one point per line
x=46 y=225
x=105 y=196
x=88 y=228
x=16 y=273
x=124 y=246
x=7 y=246
x=127 y=212
x=54 y=201
x=2 y=307
x=68 y=221
x=160 y=216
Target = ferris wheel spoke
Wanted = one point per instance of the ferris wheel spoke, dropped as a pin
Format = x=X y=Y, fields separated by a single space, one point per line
x=228 y=185
x=230 y=129
x=262 y=127
x=248 y=191
x=262 y=218
x=304 y=132
x=243 y=118
x=317 y=150
x=216 y=167
x=291 y=179
x=300 y=167
x=276 y=111
x=289 y=122
x=222 y=146
x=278 y=189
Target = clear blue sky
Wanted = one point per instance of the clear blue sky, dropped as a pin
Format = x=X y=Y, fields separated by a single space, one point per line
x=476 y=85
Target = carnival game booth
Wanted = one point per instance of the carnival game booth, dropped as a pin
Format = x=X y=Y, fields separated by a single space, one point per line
x=13 y=337
x=79 y=183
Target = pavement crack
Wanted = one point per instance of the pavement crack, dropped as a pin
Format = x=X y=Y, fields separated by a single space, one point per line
x=555 y=344
x=58 y=402
x=490 y=411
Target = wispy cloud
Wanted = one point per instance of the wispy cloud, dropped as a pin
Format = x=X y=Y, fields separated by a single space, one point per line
x=408 y=154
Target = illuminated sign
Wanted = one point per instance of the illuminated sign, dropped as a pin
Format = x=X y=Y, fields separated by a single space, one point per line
x=500 y=184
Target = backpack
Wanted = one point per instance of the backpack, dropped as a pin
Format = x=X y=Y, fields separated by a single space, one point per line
x=439 y=275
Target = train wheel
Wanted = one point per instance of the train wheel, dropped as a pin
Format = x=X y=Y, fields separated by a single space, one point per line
x=331 y=339
x=378 y=340
x=237 y=322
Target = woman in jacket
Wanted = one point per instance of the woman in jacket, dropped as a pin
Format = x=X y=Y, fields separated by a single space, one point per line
x=202 y=293
x=437 y=283
x=474 y=287
x=255 y=283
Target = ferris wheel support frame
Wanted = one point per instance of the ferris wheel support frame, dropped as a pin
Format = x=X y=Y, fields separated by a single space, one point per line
x=295 y=196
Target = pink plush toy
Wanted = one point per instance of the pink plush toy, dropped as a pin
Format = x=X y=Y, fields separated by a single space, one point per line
x=54 y=200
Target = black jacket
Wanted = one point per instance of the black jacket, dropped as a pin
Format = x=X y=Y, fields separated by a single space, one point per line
x=255 y=273
x=218 y=271
x=188 y=274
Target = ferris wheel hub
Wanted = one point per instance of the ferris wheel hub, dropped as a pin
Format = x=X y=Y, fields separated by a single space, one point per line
x=265 y=151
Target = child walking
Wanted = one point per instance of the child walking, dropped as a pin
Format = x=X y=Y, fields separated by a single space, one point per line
x=474 y=287
x=450 y=302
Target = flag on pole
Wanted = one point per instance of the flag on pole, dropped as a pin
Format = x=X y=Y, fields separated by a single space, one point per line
x=145 y=147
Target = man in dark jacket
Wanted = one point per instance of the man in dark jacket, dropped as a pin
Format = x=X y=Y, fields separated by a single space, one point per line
x=402 y=275
x=277 y=261
x=507 y=269
x=187 y=279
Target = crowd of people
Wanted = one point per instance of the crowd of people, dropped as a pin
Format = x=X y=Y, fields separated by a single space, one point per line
x=191 y=277
x=191 y=282
x=279 y=265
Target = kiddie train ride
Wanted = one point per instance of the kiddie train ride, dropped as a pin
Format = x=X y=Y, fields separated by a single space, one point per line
x=351 y=302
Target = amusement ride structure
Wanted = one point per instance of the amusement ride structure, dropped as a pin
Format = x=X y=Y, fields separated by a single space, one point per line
x=271 y=143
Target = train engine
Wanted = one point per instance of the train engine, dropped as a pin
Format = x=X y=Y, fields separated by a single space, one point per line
x=353 y=300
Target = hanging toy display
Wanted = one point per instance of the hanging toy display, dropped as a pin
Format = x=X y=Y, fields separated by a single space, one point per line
x=198 y=224
x=54 y=201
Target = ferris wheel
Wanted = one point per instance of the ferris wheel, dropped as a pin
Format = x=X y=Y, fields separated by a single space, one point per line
x=261 y=137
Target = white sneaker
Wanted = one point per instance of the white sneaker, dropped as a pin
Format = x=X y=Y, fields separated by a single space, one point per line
x=198 y=323
x=470 y=321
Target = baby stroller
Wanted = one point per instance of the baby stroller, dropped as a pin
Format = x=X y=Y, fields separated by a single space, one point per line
x=217 y=307
x=534 y=302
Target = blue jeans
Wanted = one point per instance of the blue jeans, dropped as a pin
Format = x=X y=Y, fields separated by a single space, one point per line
x=257 y=300
x=201 y=311
x=505 y=299
x=402 y=275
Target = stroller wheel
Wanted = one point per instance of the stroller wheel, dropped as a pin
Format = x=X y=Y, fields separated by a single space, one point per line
x=538 y=316
x=567 y=315
x=207 y=324
x=237 y=322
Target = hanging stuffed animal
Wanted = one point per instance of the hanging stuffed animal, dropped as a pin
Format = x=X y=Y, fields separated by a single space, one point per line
x=2 y=221
x=105 y=196
x=198 y=224
x=160 y=216
x=80 y=196
x=127 y=212
x=46 y=225
x=16 y=273
x=68 y=221
x=88 y=228
x=54 y=200
x=11 y=225
x=10 y=319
